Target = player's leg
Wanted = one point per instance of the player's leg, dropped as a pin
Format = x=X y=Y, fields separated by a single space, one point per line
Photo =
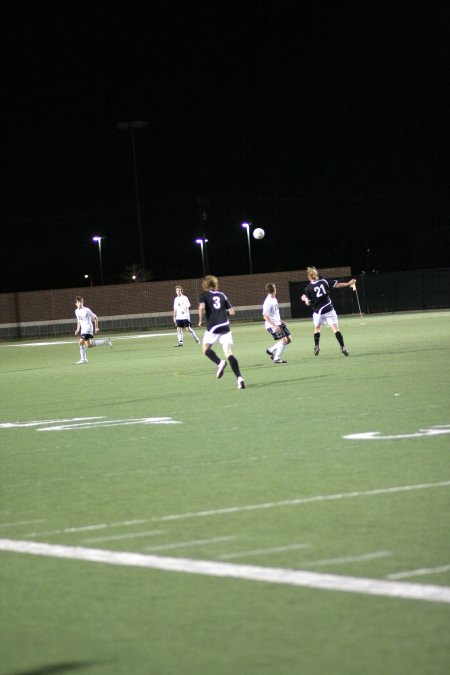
x=179 y=336
x=227 y=341
x=83 y=358
x=192 y=332
x=339 y=338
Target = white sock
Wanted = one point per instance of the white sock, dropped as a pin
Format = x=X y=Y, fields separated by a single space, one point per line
x=83 y=352
x=97 y=343
x=279 y=350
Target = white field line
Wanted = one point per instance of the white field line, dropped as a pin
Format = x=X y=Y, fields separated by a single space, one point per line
x=23 y=522
x=110 y=423
x=437 y=430
x=72 y=342
x=347 y=559
x=129 y=535
x=302 y=500
x=86 y=528
x=185 y=544
x=36 y=423
x=263 y=551
x=332 y=582
x=420 y=572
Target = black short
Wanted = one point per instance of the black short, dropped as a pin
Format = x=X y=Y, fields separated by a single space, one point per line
x=183 y=323
x=86 y=336
x=283 y=331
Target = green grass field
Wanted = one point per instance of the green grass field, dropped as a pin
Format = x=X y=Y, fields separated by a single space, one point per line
x=157 y=521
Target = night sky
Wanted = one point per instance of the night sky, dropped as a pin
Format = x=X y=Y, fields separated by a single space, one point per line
x=326 y=124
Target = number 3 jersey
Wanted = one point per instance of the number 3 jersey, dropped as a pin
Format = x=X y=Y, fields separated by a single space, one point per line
x=317 y=293
x=216 y=306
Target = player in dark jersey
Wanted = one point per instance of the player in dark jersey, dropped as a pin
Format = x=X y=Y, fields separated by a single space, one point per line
x=316 y=295
x=216 y=307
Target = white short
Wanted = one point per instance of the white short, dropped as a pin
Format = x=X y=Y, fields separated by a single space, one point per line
x=326 y=319
x=224 y=338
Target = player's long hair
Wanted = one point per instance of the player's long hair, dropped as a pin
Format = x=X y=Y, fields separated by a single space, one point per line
x=312 y=273
x=210 y=283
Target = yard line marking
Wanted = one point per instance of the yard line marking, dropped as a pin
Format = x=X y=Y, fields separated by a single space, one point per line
x=129 y=535
x=84 y=528
x=184 y=544
x=37 y=423
x=111 y=423
x=301 y=500
x=376 y=435
x=72 y=342
x=419 y=572
x=23 y=522
x=347 y=559
x=332 y=582
x=263 y=551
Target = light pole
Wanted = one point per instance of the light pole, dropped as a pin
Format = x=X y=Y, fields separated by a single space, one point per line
x=131 y=127
x=246 y=226
x=202 y=242
x=99 y=242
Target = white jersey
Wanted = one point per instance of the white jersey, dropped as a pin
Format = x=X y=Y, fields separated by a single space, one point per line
x=270 y=309
x=181 y=306
x=84 y=317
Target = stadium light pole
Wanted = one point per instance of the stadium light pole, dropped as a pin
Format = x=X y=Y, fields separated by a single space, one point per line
x=131 y=127
x=202 y=242
x=99 y=242
x=246 y=226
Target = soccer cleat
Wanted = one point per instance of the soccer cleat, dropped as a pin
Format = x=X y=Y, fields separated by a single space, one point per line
x=179 y=345
x=344 y=350
x=82 y=361
x=279 y=361
x=197 y=340
x=220 y=368
x=109 y=343
x=269 y=353
x=316 y=350
x=240 y=383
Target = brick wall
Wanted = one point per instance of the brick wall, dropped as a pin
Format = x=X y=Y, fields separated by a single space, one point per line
x=137 y=306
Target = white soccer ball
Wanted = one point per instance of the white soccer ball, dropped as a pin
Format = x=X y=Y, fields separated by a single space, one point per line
x=258 y=233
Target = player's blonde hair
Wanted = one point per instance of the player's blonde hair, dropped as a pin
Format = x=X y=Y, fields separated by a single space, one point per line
x=312 y=273
x=210 y=283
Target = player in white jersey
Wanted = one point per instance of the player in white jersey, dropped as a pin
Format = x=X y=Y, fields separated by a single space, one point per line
x=181 y=316
x=87 y=326
x=274 y=324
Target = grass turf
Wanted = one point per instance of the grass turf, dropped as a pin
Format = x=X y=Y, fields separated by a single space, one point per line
x=280 y=443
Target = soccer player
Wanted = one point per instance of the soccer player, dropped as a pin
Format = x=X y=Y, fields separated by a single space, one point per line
x=87 y=326
x=181 y=316
x=317 y=296
x=216 y=307
x=275 y=325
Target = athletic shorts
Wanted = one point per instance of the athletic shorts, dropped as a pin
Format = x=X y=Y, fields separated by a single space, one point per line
x=326 y=319
x=86 y=336
x=224 y=338
x=283 y=331
x=183 y=323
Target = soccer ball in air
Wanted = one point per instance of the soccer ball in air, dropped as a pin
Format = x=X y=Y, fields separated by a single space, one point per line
x=258 y=233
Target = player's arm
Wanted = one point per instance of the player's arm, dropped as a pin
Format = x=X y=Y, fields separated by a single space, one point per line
x=95 y=320
x=345 y=284
x=201 y=313
x=78 y=328
x=231 y=311
x=305 y=299
x=266 y=317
